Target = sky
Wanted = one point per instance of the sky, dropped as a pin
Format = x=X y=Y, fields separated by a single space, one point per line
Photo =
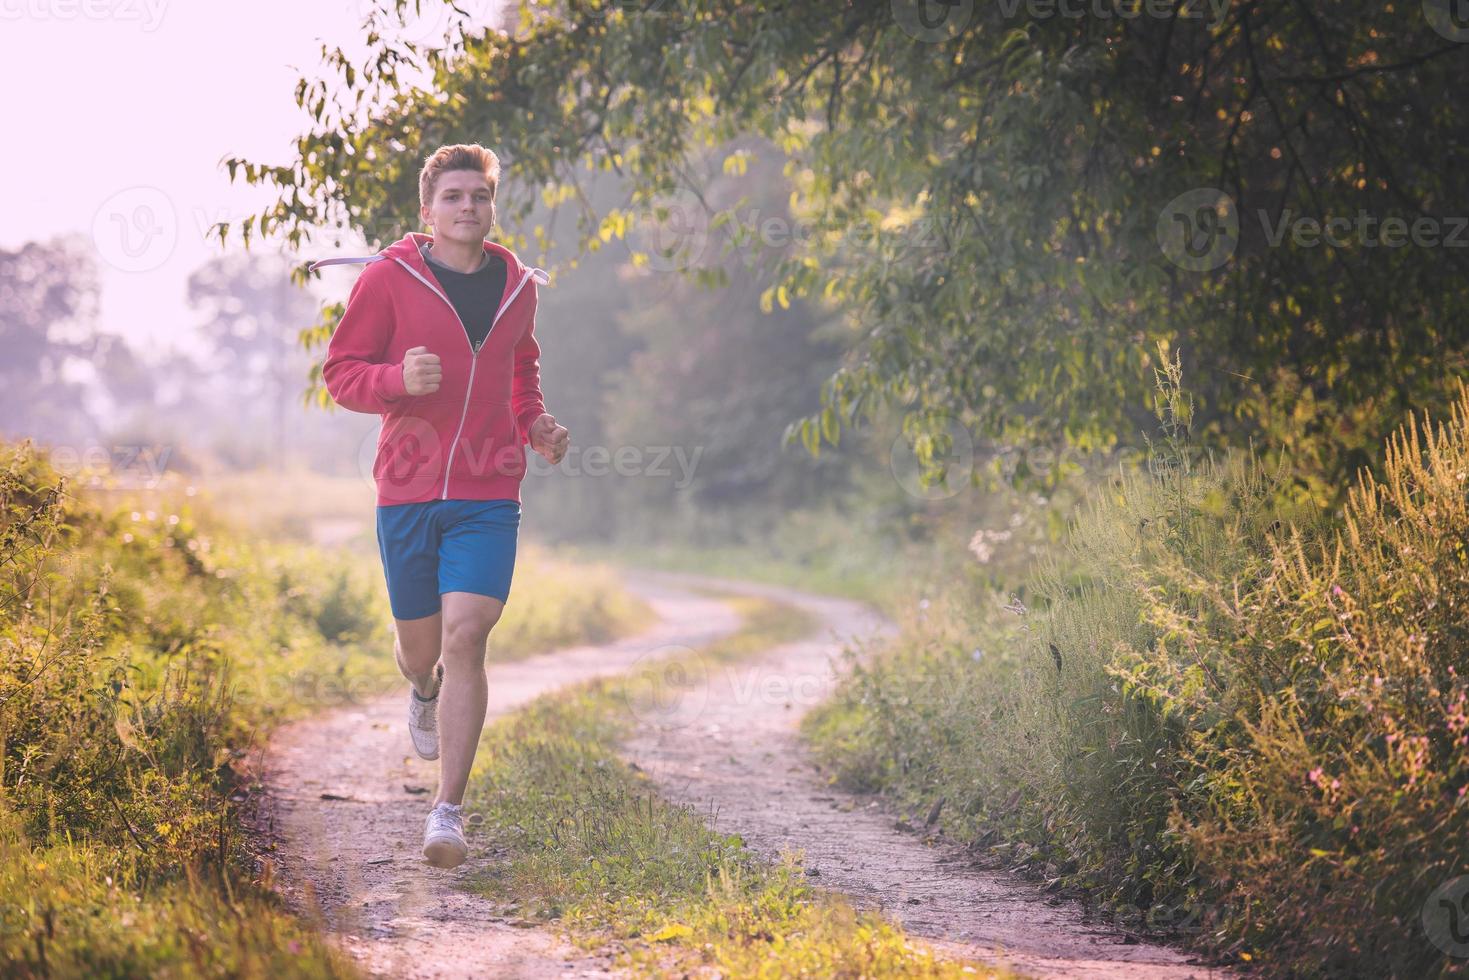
x=119 y=114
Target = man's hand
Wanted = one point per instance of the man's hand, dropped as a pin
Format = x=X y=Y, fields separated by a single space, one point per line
x=549 y=438
x=421 y=371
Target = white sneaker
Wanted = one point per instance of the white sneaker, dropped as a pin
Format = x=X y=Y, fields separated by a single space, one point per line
x=443 y=836
x=423 y=718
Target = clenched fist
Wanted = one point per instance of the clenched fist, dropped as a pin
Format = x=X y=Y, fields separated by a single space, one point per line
x=421 y=371
x=549 y=437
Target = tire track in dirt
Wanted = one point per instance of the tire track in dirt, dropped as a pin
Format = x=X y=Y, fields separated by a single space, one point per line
x=347 y=834
x=727 y=744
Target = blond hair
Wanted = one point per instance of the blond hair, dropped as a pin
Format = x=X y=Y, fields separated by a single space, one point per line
x=460 y=156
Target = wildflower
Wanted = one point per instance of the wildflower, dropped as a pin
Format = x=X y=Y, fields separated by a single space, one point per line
x=977 y=655
x=1315 y=775
x=1336 y=589
x=293 y=946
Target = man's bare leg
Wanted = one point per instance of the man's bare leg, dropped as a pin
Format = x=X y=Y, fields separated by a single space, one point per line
x=417 y=647
x=468 y=619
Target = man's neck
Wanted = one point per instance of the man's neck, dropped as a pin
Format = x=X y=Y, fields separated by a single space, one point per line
x=463 y=257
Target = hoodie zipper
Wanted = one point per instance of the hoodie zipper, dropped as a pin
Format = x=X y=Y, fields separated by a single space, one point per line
x=473 y=350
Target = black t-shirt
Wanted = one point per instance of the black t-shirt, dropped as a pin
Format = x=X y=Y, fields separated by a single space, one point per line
x=475 y=295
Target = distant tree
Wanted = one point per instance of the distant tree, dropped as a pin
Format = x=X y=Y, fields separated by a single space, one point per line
x=714 y=372
x=48 y=309
x=251 y=315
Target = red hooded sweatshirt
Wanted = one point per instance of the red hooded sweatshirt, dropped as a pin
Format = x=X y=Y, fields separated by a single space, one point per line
x=467 y=440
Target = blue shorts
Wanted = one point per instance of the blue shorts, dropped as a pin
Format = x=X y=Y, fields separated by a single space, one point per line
x=439 y=546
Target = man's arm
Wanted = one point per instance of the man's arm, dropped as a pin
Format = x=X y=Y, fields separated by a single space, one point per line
x=354 y=372
x=526 y=400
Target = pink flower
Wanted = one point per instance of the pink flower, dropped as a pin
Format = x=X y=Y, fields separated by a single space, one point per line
x=1315 y=775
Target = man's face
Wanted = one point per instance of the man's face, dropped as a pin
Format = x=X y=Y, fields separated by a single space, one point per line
x=463 y=208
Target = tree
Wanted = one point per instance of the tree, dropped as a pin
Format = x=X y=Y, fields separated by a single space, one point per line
x=1013 y=206
x=48 y=307
x=251 y=314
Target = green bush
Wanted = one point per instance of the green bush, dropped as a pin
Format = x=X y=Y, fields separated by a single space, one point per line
x=141 y=652
x=1222 y=712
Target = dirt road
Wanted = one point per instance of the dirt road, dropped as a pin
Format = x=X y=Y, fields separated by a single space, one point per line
x=348 y=831
x=731 y=750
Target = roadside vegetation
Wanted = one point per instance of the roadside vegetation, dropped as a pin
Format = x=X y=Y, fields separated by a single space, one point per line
x=1217 y=713
x=148 y=646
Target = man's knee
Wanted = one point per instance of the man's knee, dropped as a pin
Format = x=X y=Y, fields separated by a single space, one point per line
x=416 y=642
x=467 y=627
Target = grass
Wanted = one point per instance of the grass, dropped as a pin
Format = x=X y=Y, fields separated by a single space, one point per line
x=146 y=644
x=556 y=600
x=587 y=841
x=810 y=572
x=1215 y=711
x=142 y=651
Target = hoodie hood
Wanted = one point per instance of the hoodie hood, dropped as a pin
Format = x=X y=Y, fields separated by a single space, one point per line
x=406 y=251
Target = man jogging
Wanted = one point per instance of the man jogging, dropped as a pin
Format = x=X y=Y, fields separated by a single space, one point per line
x=438 y=339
